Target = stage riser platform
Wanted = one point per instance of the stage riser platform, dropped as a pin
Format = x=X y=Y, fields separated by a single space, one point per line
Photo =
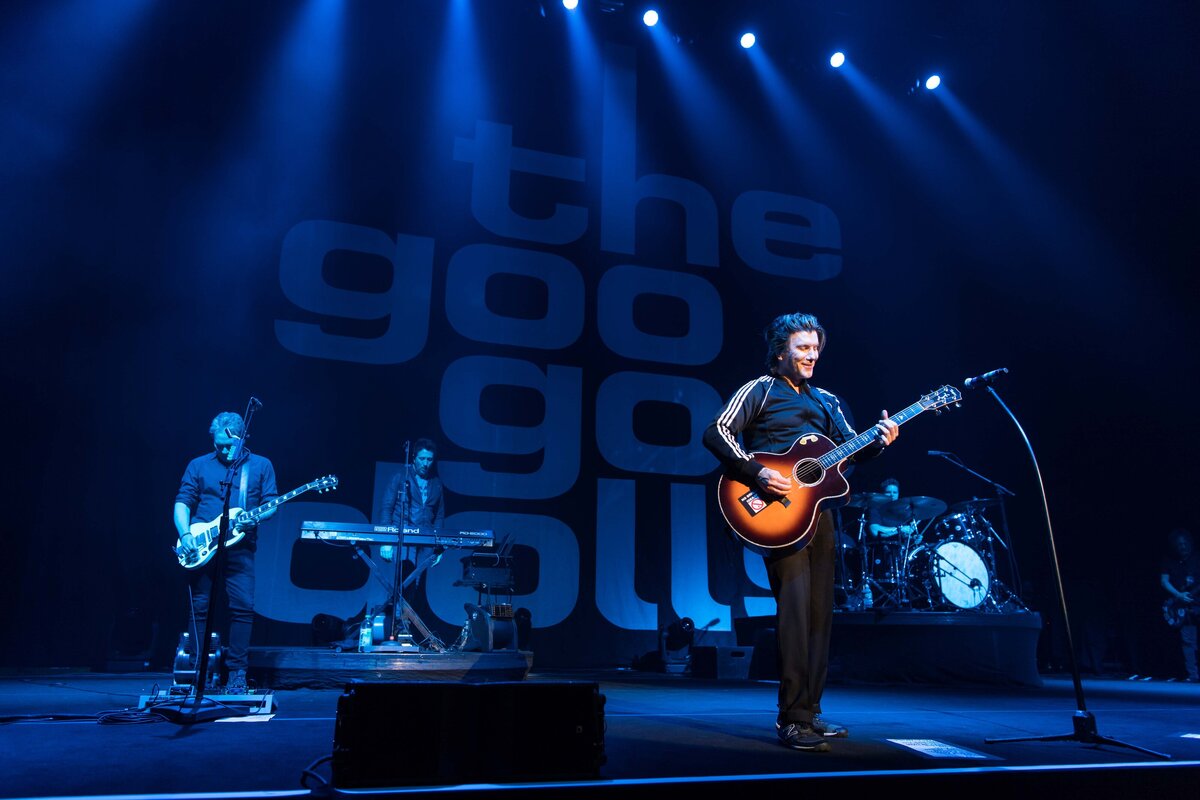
x=325 y=668
x=915 y=647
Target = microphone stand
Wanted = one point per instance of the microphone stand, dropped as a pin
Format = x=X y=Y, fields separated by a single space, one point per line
x=1083 y=721
x=400 y=633
x=198 y=708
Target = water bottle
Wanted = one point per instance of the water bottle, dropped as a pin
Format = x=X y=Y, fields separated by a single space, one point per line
x=868 y=600
x=364 y=635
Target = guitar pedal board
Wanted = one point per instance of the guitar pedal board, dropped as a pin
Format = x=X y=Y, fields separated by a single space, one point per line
x=245 y=704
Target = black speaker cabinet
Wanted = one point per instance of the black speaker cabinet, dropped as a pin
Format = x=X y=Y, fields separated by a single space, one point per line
x=439 y=733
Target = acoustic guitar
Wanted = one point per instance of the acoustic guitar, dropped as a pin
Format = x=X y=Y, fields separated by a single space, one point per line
x=767 y=522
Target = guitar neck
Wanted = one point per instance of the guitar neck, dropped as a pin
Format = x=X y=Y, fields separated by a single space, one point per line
x=278 y=501
x=849 y=448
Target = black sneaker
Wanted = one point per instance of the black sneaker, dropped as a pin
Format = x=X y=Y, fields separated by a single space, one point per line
x=802 y=736
x=830 y=729
x=237 y=682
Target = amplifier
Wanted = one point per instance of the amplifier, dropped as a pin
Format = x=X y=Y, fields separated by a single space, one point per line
x=488 y=570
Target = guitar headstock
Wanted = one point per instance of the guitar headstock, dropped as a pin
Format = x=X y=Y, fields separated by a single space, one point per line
x=326 y=484
x=940 y=398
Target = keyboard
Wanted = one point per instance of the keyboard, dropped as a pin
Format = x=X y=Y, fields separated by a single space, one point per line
x=389 y=534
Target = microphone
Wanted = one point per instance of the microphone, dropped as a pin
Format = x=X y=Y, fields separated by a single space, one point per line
x=986 y=379
x=939 y=453
x=239 y=445
x=254 y=401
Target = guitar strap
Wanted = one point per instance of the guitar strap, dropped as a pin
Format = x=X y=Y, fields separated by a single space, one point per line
x=826 y=402
x=245 y=481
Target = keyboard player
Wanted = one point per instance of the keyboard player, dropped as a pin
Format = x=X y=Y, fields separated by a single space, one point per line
x=414 y=498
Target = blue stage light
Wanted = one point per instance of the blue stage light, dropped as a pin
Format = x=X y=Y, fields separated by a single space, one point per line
x=747 y=40
x=650 y=18
x=570 y=5
x=933 y=82
x=837 y=59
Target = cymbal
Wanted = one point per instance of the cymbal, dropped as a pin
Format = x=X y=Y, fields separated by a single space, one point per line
x=867 y=500
x=971 y=506
x=918 y=507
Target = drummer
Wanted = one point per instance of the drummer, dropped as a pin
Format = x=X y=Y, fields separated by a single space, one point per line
x=881 y=527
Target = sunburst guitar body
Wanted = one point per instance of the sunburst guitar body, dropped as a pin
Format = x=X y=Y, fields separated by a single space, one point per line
x=767 y=522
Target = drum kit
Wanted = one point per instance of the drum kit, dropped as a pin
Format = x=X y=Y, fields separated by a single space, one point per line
x=941 y=558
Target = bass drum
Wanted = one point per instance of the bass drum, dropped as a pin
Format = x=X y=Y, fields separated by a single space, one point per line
x=947 y=576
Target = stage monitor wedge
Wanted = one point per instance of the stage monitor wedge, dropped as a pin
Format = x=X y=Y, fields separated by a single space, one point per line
x=422 y=733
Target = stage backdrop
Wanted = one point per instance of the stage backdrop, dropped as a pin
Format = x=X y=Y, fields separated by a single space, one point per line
x=550 y=242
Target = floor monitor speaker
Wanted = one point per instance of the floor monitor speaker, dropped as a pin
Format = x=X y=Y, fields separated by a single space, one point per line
x=421 y=733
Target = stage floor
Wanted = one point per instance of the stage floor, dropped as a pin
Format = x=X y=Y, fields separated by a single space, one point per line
x=667 y=735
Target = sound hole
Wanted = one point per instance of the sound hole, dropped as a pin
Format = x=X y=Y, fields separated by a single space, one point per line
x=808 y=472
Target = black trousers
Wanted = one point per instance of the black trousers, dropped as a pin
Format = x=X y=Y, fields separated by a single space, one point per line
x=802 y=582
x=239 y=589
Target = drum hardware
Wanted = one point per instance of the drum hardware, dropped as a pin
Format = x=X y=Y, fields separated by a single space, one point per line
x=886 y=575
x=960 y=527
x=867 y=500
x=993 y=534
x=1003 y=600
x=870 y=591
x=913 y=508
x=888 y=559
x=974 y=505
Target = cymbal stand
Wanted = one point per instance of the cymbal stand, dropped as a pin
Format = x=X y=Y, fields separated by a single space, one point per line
x=1008 y=595
x=1001 y=493
x=863 y=559
x=879 y=593
x=883 y=596
x=910 y=540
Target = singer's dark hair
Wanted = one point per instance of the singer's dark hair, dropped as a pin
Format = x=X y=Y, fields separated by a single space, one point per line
x=227 y=419
x=425 y=444
x=782 y=328
x=886 y=482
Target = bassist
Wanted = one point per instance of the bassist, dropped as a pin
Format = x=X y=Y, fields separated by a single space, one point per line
x=769 y=414
x=1181 y=580
x=202 y=497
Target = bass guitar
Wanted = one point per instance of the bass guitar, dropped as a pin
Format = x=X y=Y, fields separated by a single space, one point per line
x=765 y=521
x=1178 y=613
x=207 y=533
